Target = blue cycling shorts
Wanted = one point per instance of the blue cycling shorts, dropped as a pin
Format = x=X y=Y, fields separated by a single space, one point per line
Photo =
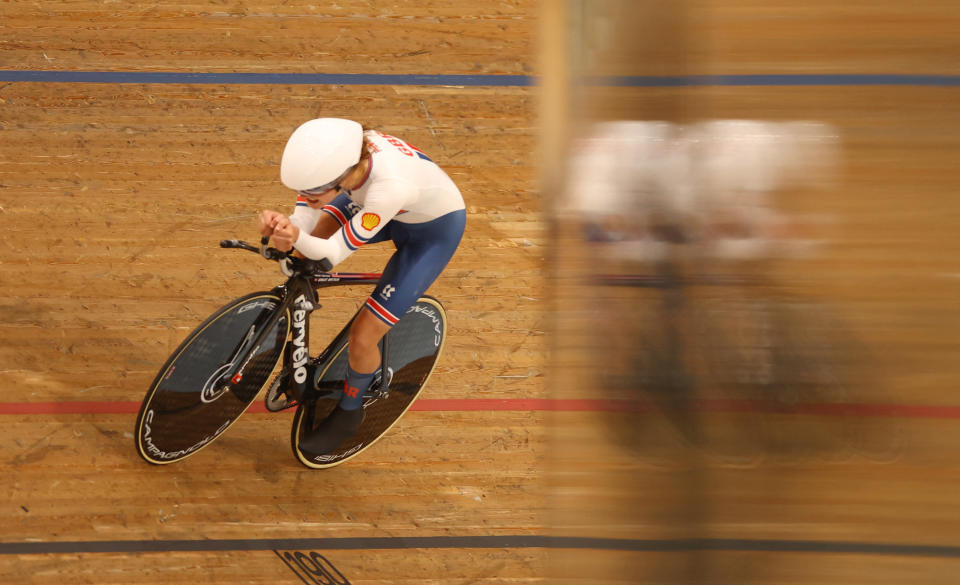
x=423 y=251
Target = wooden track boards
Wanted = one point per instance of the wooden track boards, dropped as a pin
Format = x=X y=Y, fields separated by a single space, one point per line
x=114 y=196
x=114 y=199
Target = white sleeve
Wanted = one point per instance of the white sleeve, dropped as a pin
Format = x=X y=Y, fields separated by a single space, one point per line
x=305 y=218
x=319 y=248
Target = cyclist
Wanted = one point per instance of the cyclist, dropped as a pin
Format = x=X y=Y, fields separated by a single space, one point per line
x=358 y=187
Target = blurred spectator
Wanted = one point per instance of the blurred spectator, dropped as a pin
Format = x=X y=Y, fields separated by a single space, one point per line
x=647 y=185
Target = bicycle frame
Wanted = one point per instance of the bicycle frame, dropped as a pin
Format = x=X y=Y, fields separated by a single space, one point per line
x=303 y=292
x=298 y=299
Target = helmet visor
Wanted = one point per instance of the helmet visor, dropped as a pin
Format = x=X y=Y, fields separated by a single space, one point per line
x=334 y=184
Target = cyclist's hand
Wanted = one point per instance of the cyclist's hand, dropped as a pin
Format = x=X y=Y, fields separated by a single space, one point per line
x=285 y=233
x=267 y=221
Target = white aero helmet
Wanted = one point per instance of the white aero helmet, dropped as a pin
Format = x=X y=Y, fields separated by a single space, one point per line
x=319 y=152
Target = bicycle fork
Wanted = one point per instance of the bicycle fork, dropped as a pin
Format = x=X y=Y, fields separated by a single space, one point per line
x=301 y=308
x=247 y=349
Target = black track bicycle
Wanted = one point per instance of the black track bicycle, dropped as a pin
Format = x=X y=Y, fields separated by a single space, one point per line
x=261 y=341
x=749 y=345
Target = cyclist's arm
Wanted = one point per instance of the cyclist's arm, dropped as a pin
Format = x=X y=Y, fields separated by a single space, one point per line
x=304 y=217
x=326 y=226
x=383 y=202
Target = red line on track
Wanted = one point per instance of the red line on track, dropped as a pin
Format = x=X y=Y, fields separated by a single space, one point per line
x=546 y=404
x=423 y=405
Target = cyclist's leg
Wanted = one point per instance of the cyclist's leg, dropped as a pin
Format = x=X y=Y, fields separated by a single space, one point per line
x=423 y=251
x=364 y=355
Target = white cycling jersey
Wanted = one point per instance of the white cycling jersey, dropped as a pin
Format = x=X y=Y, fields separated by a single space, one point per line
x=403 y=184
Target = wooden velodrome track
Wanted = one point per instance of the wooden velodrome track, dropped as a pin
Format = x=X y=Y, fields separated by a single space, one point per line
x=115 y=189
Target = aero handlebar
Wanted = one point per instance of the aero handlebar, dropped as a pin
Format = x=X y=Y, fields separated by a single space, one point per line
x=298 y=264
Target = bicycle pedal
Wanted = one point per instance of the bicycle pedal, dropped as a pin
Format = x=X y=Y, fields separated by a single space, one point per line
x=276 y=398
x=379 y=389
x=281 y=403
x=377 y=393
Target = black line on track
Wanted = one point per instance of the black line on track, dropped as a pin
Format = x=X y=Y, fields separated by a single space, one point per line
x=479 y=542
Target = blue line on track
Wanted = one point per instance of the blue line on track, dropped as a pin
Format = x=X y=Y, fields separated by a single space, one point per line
x=480 y=542
x=470 y=80
x=262 y=78
x=776 y=80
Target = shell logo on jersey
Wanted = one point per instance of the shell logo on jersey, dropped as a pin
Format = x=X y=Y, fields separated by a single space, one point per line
x=369 y=220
